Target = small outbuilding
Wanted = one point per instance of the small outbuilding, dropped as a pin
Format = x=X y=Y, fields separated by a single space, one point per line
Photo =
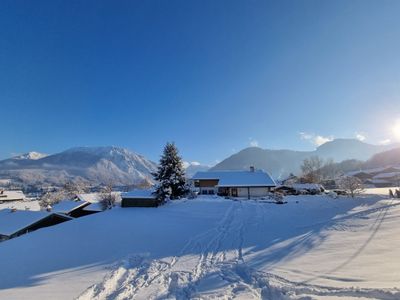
x=14 y=223
x=140 y=198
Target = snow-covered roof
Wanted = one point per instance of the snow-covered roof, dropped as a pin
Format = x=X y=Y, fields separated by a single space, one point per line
x=13 y=221
x=378 y=181
x=67 y=206
x=93 y=207
x=90 y=197
x=237 y=178
x=11 y=195
x=142 y=194
x=97 y=197
x=23 y=205
x=387 y=175
x=354 y=173
x=374 y=170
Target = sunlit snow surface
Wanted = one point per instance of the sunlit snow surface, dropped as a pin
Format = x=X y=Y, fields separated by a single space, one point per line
x=313 y=247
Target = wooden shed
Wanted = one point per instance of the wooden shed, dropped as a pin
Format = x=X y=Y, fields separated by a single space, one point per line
x=140 y=198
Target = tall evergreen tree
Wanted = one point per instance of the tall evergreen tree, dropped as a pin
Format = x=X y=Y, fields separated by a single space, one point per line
x=170 y=174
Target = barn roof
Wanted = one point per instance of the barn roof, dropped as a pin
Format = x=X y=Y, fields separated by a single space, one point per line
x=237 y=178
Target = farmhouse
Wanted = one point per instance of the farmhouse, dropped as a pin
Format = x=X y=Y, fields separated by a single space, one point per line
x=8 y=196
x=139 y=198
x=252 y=183
x=14 y=223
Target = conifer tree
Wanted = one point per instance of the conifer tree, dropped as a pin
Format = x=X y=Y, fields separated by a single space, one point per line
x=170 y=174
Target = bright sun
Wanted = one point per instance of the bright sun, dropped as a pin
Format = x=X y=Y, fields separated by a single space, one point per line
x=396 y=129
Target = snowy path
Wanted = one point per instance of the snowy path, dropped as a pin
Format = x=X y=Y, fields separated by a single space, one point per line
x=311 y=248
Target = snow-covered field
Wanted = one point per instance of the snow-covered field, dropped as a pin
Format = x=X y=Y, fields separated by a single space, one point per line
x=380 y=191
x=313 y=247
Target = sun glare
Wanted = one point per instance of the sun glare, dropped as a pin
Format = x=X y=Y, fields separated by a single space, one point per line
x=396 y=129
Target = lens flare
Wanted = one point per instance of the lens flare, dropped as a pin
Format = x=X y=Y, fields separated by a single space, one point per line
x=396 y=129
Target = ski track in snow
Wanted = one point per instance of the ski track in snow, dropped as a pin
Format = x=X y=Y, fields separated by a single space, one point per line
x=203 y=261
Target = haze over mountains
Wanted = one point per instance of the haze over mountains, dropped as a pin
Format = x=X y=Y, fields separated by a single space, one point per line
x=123 y=167
x=282 y=162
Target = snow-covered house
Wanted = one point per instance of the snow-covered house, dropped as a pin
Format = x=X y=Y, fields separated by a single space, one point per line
x=139 y=198
x=379 y=177
x=252 y=183
x=8 y=196
x=14 y=223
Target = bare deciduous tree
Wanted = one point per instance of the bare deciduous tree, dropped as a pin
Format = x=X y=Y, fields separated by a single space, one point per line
x=68 y=192
x=329 y=170
x=351 y=185
x=107 y=197
x=311 y=169
x=144 y=184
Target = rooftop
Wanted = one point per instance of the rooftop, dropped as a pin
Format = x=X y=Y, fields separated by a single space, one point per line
x=67 y=206
x=237 y=178
x=142 y=194
x=11 y=195
x=13 y=221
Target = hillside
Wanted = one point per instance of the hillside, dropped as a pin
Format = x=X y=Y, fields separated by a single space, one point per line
x=282 y=162
x=92 y=164
x=212 y=248
x=383 y=159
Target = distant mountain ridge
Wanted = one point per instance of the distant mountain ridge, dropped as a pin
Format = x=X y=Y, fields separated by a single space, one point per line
x=279 y=163
x=194 y=167
x=30 y=156
x=93 y=164
x=384 y=159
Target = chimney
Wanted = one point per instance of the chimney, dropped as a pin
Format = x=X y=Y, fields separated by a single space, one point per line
x=252 y=169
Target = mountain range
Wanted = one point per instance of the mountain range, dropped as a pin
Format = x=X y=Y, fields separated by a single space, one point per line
x=92 y=164
x=279 y=163
x=123 y=167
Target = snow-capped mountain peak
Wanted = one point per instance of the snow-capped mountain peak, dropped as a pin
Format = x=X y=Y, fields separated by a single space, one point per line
x=30 y=156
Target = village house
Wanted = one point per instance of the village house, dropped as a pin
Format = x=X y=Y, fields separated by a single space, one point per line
x=379 y=177
x=244 y=184
x=14 y=222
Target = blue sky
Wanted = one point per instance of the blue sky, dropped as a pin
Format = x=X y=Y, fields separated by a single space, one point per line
x=213 y=76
